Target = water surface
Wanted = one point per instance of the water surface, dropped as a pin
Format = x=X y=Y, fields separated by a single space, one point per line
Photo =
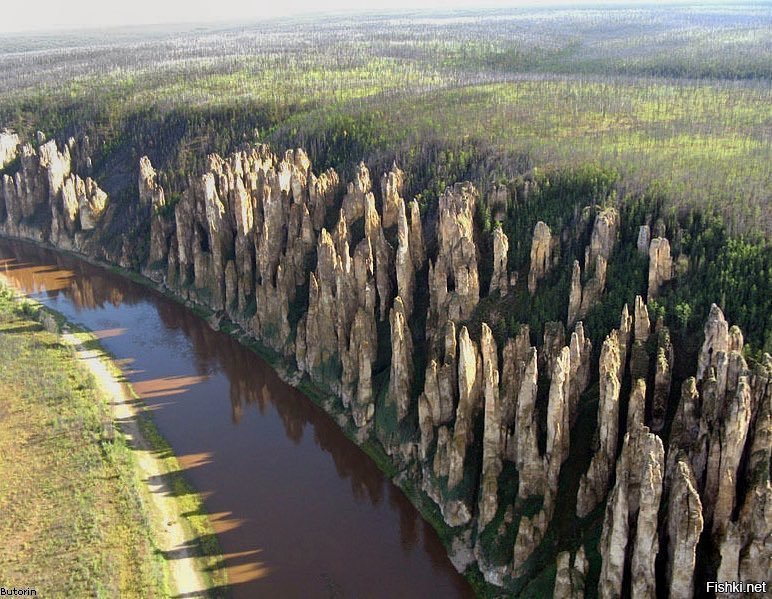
x=300 y=511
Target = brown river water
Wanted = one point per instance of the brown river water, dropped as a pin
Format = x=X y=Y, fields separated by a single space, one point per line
x=299 y=510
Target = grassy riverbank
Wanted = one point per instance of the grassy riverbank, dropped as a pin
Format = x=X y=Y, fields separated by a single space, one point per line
x=76 y=516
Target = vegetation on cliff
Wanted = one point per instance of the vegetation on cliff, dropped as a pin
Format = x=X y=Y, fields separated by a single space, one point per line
x=530 y=314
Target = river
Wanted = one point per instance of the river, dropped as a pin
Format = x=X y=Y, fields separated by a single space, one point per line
x=299 y=510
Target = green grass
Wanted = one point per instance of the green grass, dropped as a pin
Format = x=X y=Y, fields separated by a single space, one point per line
x=130 y=521
x=74 y=522
x=706 y=145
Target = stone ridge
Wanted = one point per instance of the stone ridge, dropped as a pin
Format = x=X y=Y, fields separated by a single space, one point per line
x=313 y=269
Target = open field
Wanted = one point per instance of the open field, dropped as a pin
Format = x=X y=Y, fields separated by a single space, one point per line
x=80 y=520
x=73 y=522
x=676 y=98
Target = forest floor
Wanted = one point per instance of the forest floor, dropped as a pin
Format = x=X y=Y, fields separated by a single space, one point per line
x=90 y=496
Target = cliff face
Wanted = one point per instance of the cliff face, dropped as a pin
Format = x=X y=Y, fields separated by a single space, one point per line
x=360 y=300
x=46 y=199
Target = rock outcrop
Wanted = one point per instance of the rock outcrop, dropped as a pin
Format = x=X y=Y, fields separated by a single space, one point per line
x=454 y=287
x=630 y=522
x=47 y=182
x=594 y=483
x=532 y=529
x=469 y=380
x=500 y=278
x=254 y=238
x=570 y=576
x=644 y=239
x=582 y=298
x=684 y=527
x=9 y=147
x=663 y=376
x=660 y=266
x=392 y=185
x=603 y=237
x=161 y=228
x=491 y=465
x=401 y=378
x=541 y=255
x=528 y=461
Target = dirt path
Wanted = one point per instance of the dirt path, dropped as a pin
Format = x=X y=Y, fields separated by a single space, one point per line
x=171 y=535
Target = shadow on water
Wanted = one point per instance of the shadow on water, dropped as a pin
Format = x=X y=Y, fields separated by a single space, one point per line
x=298 y=509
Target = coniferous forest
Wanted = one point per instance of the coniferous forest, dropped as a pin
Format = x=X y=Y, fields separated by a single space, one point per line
x=523 y=256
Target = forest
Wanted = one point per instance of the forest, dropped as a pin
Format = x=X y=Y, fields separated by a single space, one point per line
x=632 y=118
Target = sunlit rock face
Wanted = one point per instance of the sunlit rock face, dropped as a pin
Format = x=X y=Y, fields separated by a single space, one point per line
x=660 y=265
x=500 y=278
x=46 y=199
x=9 y=147
x=454 y=287
x=380 y=307
x=541 y=255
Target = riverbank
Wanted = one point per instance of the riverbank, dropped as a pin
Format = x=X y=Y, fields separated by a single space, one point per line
x=90 y=509
x=322 y=398
x=316 y=395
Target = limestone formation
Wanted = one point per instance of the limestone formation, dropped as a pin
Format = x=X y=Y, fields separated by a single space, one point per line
x=554 y=341
x=603 y=237
x=500 y=278
x=454 y=288
x=594 y=484
x=581 y=352
x=583 y=298
x=532 y=530
x=515 y=357
x=491 y=466
x=321 y=193
x=152 y=194
x=46 y=182
x=624 y=336
x=575 y=294
x=541 y=255
x=354 y=201
x=239 y=241
x=729 y=445
x=636 y=406
x=392 y=185
x=529 y=535
x=642 y=323
x=529 y=463
x=646 y=545
x=663 y=376
x=632 y=508
x=92 y=202
x=401 y=378
x=558 y=429
x=613 y=542
x=404 y=262
x=660 y=265
x=9 y=143
x=468 y=404
x=716 y=341
x=417 y=247
x=644 y=239
x=569 y=579
x=684 y=527
x=358 y=361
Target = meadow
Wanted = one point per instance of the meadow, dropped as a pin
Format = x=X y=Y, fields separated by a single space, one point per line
x=678 y=97
x=73 y=519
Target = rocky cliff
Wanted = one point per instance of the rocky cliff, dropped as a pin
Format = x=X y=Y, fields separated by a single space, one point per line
x=512 y=435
